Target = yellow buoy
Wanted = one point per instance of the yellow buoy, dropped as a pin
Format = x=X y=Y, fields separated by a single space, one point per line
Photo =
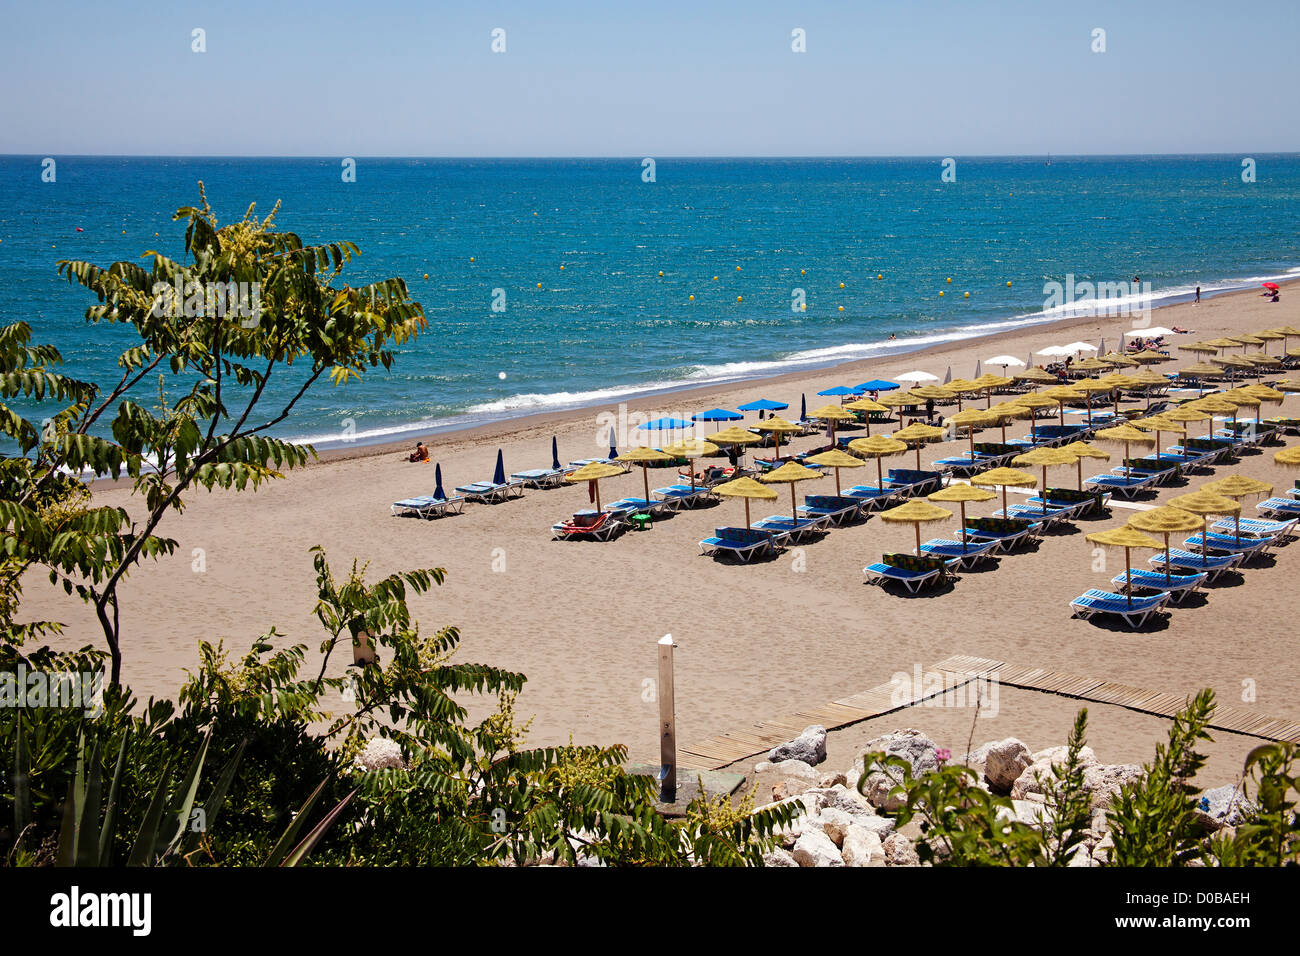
x=879 y=276
x=950 y=280
x=941 y=293
x=968 y=295
x=562 y=269
x=692 y=298
x=471 y=258
x=738 y=299
x=841 y=308
x=426 y=275
x=803 y=306
x=841 y=285
x=539 y=285
x=1008 y=285
x=715 y=278
x=737 y=268
x=661 y=272
x=802 y=272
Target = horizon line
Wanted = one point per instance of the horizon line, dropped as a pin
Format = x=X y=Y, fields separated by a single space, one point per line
x=637 y=157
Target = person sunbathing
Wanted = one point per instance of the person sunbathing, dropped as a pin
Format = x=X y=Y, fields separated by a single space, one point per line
x=420 y=454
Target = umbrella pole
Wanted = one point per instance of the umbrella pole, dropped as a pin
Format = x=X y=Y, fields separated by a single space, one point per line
x=1168 y=578
x=918 y=539
x=1128 y=576
x=1205 y=540
x=1004 y=501
x=598 y=508
x=1042 y=491
x=964 y=546
x=918 y=456
x=645 y=477
x=880 y=473
x=837 y=483
x=747 y=521
x=794 y=512
x=1079 y=464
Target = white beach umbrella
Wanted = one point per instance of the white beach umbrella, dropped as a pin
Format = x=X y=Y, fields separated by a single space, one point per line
x=1003 y=360
x=1052 y=350
x=1153 y=333
x=917 y=376
x=1081 y=347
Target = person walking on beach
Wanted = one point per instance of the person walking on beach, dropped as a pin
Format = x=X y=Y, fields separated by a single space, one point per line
x=1198 y=296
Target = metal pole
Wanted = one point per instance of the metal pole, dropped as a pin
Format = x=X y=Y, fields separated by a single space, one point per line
x=667 y=723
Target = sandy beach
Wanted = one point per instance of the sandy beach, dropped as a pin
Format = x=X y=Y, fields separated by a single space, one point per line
x=581 y=619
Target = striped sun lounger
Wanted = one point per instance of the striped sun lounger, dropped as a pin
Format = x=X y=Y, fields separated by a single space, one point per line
x=1230 y=544
x=1178 y=585
x=909 y=570
x=1212 y=565
x=744 y=543
x=1120 y=485
x=964 y=555
x=1280 y=507
x=784 y=527
x=1134 y=610
x=1257 y=527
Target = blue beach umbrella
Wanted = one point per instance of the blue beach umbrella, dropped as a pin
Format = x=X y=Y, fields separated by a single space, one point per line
x=613 y=449
x=838 y=390
x=764 y=405
x=803 y=407
x=665 y=425
x=437 y=481
x=499 y=477
x=717 y=415
x=876 y=385
x=555 y=454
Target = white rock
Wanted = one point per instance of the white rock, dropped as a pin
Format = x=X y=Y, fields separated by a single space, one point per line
x=899 y=851
x=778 y=857
x=1105 y=782
x=809 y=746
x=1004 y=761
x=789 y=768
x=862 y=847
x=814 y=848
x=835 y=824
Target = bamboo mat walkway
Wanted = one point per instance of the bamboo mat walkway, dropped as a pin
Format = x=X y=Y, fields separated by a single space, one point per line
x=957 y=671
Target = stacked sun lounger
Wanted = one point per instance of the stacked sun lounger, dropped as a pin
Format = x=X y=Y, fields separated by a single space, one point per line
x=428 y=506
x=911 y=571
x=1212 y=565
x=490 y=492
x=1079 y=502
x=1281 y=507
x=1230 y=543
x=961 y=554
x=785 y=528
x=872 y=496
x=1126 y=486
x=1003 y=532
x=541 y=477
x=913 y=482
x=744 y=543
x=1160 y=470
x=834 y=509
x=676 y=497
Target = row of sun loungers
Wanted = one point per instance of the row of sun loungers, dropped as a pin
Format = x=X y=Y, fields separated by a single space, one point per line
x=1229 y=544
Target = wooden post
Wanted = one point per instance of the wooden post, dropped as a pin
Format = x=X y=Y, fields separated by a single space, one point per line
x=667 y=723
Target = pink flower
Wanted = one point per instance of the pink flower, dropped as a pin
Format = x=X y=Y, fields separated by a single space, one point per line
x=942 y=754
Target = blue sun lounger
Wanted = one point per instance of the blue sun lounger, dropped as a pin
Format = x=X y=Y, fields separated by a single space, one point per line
x=1212 y=565
x=1281 y=507
x=835 y=509
x=871 y=496
x=1134 y=610
x=676 y=497
x=490 y=492
x=1177 y=585
x=626 y=506
x=1230 y=543
x=427 y=506
x=1034 y=513
x=1125 y=487
x=963 y=556
x=909 y=570
x=783 y=527
x=1257 y=527
x=744 y=543
x=1004 y=532
x=541 y=477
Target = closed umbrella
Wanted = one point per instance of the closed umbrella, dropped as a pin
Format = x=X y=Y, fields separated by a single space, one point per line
x=437 y=483
x=555 y=454
x=499 y=476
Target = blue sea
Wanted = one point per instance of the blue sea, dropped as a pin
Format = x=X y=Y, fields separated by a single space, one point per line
x=578 y=248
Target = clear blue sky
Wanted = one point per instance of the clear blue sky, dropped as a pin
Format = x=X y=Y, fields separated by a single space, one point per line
x=650 y=78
